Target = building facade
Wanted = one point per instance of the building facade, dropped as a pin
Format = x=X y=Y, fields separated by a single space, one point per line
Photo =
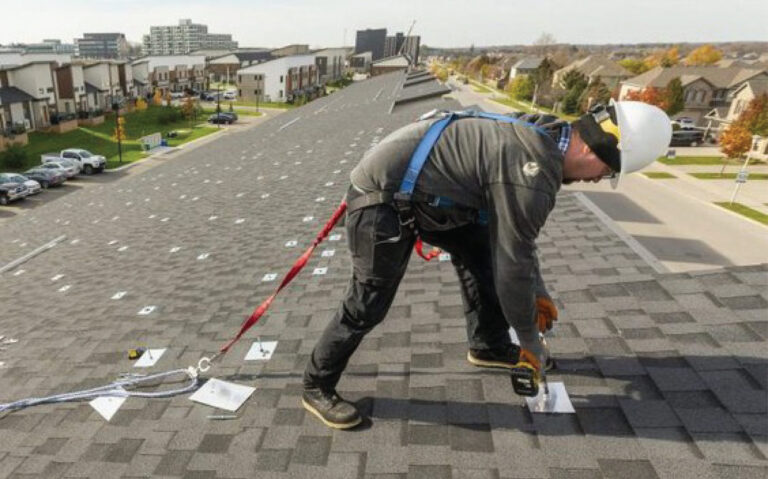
x=102 y=46
x=331 y=64
x=29 y=94
x=371 y=40
x=280 y=80
x=50 y=46
x=224 y=68
x=184 y=38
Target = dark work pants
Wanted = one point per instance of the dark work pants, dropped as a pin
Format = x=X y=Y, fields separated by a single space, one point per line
x=380 y=253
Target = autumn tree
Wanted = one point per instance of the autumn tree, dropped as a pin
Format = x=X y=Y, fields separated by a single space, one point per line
x=704 y=55
x=675 y=101
x=188 y=108
x=735 y=141
x=651 y=95
x=663 y=58
x=141 y=104
x=634 y=65
x=755 y=117
x=157 y=98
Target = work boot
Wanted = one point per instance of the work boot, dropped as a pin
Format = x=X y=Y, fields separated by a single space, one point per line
x=506 y=359
x=330 y=408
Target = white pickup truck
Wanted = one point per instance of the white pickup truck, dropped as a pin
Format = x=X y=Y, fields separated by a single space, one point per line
x=87 y=161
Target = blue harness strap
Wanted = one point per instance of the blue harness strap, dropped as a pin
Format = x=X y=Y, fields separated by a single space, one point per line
x=421 y=153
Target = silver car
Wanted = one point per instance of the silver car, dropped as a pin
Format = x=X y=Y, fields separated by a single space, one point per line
x=67 y=167
x=33 y=187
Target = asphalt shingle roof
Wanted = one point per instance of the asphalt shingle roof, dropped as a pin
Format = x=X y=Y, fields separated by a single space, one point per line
x=720 y=77
x=11 y=94
x=667 y=372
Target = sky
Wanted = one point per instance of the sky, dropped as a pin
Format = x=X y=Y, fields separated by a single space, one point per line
x=440 y=23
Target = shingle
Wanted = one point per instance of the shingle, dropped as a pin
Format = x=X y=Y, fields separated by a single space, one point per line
x=708 y=420
x=649 y=414
x=627 y=469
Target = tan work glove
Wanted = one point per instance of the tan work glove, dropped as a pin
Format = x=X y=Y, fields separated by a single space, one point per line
x=546 y=313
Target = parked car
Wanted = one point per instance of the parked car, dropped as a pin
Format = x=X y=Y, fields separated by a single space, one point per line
x=11 y=192
x=86 y=161
x=685 y=122
x=687 y=137
x=209 y=96
x=67 y=167
x=230 y=95
x=221 y=118
x=177 y=95
x=45 y=176
x=33 y=187
x=231 y=114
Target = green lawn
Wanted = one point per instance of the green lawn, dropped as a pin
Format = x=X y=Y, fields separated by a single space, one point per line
x=478 y=88
x=728 y=176
x=526 y=107
x=745 y=211
x=98 y=139
x=659 y=175
x=703 y=160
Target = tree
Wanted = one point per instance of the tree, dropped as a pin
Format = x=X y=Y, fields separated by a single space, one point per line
x=188 y=108
x=755 y=117
x=119 y=133
x=704 y=55
x=735 y=141
x=521 y=88
x=157 y=98
x=634 y=65
x=596 y=92
x=663 y=58
x=168 y=98
x=544 y=43
x=675 y=101
x=141 y=105
x=650 y=95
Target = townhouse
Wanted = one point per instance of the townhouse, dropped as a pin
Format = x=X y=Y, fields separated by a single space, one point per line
x=331 y=64
x=171 y=73
x=28 y=95
x=102 y=85
x=280 y=80
x=225 y=67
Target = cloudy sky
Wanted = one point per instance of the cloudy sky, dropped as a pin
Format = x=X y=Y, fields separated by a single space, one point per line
x=446 y=23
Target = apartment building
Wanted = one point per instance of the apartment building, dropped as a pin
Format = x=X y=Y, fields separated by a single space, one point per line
x=184 y=38
x=102 y=45
x=279 y=80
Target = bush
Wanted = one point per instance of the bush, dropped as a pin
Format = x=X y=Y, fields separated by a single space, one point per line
x=169 y=115
x=13 y=158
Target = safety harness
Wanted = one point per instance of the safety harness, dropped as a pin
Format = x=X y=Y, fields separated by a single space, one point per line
x=406 y=197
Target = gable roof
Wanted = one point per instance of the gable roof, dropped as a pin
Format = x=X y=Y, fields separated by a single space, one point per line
x=529 y=63
x=597 y=65
x=11 y=94
x=726 y=77
x=91 y=88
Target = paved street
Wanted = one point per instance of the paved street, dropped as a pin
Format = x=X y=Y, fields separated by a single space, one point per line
x=667 y=371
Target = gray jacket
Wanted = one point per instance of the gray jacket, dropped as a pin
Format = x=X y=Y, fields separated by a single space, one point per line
x=512 y=171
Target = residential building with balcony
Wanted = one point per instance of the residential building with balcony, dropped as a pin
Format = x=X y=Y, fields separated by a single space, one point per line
x=280 y=80
x=184 y=38
x=102 y=46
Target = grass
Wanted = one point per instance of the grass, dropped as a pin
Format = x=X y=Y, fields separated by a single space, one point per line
x=659 y=175
x=744 y=211
x=526 y=107
x=728 y=176
x=703 y=160
x=98 y=139
x=478 y=88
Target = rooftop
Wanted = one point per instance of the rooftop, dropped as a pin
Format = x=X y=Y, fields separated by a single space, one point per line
x=719 y=77
x=667 y=372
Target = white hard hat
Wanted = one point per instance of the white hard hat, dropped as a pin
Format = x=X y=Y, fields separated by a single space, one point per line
x=644 y=134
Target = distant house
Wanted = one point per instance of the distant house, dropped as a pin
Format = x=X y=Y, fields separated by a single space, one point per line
x=361 y=62
x=280 y=80
x=28 y=94
x=719 y=118
x=593 y=67
x=704 y=88
x=224 y=67
x=102 y=82
x=169 y=73
x=71 y=82
x=526 y=66
x=391 y=64
x=331 y=63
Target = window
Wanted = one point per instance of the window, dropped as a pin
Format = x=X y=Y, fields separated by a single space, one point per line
x=281 y=81
x=239 y=79
x=50 y=89
x=280 y=94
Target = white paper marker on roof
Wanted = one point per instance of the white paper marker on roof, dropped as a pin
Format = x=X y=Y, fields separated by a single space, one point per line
x=149 y=358
x=222 y=394
x=556 y=402
x=107 y=406
x=261 y=350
